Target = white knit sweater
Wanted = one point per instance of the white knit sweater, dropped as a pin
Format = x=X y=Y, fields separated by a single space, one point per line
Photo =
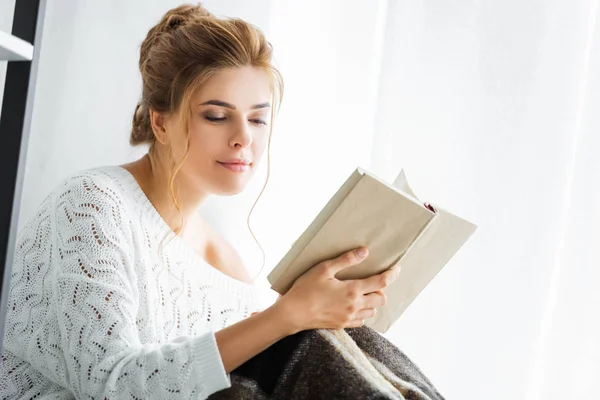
x=99 y=309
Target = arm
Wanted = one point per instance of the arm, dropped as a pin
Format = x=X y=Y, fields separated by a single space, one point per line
x=240 y=342
x=96 y=300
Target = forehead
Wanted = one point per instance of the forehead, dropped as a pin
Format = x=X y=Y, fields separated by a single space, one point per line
x=242 y=87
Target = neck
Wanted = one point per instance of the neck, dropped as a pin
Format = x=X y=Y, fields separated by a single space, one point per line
x=153 y=175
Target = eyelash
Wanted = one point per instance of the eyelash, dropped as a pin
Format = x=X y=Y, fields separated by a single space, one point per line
x=218 y=120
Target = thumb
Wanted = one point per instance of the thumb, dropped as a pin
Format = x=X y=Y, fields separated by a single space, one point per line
x=346 y=260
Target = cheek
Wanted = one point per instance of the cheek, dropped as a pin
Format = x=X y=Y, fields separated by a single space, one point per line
x=204 y=142
x=260 y=143
x=178 y=146
x=201 y=150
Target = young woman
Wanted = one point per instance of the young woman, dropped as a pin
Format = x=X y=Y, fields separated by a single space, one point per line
x=119 y=289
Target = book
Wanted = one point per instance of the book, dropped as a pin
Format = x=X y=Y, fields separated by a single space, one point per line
x=396 y=227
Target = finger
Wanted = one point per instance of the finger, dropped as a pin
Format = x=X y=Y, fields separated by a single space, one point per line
x=357 y=323
x=373 y=300
x=346 y=260
x=379 y=281
x=365 y=313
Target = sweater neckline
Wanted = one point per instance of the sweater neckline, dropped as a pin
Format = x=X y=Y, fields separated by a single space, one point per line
x=179 y=246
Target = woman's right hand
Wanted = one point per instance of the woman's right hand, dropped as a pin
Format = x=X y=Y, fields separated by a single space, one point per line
x=318 y=300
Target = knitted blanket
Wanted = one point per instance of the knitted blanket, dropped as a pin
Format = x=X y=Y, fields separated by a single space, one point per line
x=330 y=364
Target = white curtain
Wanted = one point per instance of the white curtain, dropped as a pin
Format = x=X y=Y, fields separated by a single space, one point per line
x=492 y=109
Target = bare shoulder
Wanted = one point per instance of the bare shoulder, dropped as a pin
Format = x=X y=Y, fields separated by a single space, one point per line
x=223 y=256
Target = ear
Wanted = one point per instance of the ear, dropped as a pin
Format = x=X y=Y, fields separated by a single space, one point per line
x=159 y=127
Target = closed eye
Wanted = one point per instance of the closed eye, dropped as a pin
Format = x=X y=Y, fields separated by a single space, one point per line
x=258 y=122
x=215 y=119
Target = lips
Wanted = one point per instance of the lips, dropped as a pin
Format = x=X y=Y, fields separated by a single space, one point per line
x=236 y=164
x=236 y=161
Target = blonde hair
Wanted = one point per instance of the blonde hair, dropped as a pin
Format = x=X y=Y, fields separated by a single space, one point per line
x=183 y=51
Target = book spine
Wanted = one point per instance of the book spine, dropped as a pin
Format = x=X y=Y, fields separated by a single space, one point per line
x=417 y=237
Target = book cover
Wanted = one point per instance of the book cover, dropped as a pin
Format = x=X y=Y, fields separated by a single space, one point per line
x=393 y=224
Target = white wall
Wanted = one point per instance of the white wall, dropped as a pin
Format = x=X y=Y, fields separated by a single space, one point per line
x=7 y=8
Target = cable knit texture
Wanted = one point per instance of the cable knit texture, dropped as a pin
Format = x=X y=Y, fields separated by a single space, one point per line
x=103 y=304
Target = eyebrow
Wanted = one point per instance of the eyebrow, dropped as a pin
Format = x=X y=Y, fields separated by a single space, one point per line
x=221 y=103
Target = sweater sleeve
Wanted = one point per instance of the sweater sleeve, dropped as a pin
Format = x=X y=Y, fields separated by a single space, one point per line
x=97 y=305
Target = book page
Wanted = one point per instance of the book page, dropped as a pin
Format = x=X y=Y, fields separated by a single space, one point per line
x=401 y=183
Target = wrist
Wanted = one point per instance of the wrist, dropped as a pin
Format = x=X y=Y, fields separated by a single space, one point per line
x=283 y=318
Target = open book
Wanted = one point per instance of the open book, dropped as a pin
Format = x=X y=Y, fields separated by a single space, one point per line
x=393 y=224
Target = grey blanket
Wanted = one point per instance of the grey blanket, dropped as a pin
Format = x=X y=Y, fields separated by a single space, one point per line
x=330 y=364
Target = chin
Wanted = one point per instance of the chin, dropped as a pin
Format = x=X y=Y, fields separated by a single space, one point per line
x=229 y=188
x=228 y=191
x=226 y=183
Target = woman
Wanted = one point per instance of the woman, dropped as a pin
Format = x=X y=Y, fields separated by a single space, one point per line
x=120 y=290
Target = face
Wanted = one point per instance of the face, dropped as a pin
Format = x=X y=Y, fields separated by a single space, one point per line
x=228 y=131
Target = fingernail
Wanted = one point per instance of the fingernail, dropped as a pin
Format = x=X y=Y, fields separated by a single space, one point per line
x=362 y=252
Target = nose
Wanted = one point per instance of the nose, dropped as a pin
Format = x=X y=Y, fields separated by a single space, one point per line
x=242 y=136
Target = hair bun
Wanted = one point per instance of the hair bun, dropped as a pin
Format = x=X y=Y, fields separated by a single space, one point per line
x=173 y=22
x=181 y=15
x=170 y=22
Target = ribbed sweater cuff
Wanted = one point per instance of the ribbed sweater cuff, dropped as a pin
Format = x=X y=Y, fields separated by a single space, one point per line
x=206 y=354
